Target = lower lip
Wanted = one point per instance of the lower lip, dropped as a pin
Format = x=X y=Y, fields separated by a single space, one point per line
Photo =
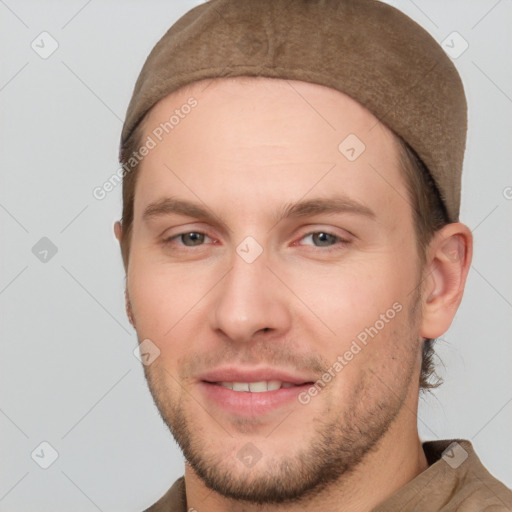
x=246 y=403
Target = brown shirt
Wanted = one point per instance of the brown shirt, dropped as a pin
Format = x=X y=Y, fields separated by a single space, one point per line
x=455 y=480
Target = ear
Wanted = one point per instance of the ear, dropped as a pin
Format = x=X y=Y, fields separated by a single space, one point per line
x=448 y=260
x=128 y=306
x=118 y=231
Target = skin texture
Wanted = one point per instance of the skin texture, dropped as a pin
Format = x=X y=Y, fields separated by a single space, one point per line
x=250 y=148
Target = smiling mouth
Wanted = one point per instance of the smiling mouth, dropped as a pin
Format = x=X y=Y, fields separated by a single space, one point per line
x=258 y=387
x=252 y=398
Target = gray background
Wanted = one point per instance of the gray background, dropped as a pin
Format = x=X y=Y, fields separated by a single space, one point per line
x=68 y=373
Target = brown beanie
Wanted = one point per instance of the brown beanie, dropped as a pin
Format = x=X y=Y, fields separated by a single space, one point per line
x=363 y=48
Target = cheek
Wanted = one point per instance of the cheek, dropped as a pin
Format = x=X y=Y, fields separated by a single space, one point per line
x=159 y=296
x=360 y=320
x=349 y=298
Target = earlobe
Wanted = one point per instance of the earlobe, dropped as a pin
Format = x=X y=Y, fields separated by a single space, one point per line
x=128 y=305
x=118 y=231
x=448 y=262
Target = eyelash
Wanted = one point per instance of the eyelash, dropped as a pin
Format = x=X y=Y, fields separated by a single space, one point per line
x=341 y=242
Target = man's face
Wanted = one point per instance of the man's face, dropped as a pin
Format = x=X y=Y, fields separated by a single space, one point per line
x=255 y=291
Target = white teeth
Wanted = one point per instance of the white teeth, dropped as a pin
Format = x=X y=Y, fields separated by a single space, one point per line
x=240 y=386
x=257 y=387
x=273 y=385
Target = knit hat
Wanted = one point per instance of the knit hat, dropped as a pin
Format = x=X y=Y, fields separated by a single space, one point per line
x=363 y=48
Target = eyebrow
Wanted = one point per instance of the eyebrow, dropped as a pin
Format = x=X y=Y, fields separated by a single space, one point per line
x=304 y=208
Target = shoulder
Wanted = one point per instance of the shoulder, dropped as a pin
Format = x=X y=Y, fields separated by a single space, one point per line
x=473 y=488
x=174 y=500
x=455 y=481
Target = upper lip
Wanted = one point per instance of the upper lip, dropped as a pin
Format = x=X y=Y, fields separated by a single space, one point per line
x=238 y=374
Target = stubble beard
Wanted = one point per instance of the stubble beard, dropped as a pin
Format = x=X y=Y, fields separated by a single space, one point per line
x=338 y=446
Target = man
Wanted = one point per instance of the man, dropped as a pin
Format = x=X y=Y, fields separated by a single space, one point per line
x=292 y=245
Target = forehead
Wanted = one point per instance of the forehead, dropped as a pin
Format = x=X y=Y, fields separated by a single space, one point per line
x=265 y=137
x=266 y=103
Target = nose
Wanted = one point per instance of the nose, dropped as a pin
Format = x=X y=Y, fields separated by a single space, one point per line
x=250 y=300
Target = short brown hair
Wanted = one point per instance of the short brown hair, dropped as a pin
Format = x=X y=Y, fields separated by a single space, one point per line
x=429 y=215
x=428 y=210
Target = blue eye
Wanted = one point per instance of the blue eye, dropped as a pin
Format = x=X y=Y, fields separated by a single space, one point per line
x=190 y=239
x=316 y=239
x=324 y=239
